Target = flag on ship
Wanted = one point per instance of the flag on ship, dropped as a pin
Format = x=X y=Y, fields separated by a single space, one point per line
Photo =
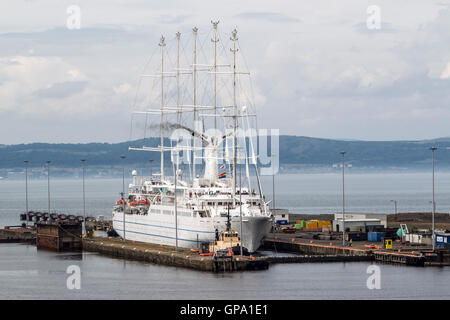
x=223 y=174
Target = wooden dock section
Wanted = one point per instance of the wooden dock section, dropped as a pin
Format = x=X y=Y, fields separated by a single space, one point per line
x=59 y=235
x=167 y=255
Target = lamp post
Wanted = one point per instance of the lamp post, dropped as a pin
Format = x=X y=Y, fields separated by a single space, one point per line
x=433 y=201
x=176 y=173
x=26 y=188
x=123 y=193
x=176 y=212
x=395 y=206
x=83 y=161
x=240 y=205
x=273 y=182
x=123 y=173
x=151 y=169
x=343 y=199
x=48 y=184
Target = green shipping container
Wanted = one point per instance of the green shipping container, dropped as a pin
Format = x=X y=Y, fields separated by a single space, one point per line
x=300 y=224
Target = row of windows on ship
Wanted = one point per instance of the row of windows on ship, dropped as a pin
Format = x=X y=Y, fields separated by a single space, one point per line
x=165 y=190
x=201 y=213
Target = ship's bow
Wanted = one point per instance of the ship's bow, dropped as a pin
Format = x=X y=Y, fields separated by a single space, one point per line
x=254 y=230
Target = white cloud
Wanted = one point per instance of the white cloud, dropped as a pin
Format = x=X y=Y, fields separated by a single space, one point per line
x=446 y=72
x=22 y=76
x=122 y=88
x=48 y=87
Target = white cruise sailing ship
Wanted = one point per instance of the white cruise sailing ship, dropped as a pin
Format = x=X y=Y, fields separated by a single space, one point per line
x=189 y=207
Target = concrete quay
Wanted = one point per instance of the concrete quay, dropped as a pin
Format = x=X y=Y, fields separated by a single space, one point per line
x=404 y=254
x=169 y=256
x=306 y=250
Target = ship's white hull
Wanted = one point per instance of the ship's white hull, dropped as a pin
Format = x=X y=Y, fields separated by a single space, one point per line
x=192 y=231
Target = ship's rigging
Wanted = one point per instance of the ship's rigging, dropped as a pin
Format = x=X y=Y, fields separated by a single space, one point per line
x=192 y=96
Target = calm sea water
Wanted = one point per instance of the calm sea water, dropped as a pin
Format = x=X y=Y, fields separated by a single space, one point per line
x=26 y=273
x=300 y=193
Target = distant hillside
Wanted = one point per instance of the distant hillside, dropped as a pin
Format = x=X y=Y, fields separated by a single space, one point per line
x=381 y=154
x=67 y=155
x=295 y=152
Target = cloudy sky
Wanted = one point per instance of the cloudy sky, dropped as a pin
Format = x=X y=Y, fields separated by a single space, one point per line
x=317 y=69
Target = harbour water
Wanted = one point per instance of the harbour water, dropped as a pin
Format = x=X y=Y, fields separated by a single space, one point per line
x=300 y=193
x=26 y=273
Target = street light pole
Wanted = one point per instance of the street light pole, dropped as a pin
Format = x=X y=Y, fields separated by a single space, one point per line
x=433 y=203
x=123 y=173
x=175 y=169
x=123 y=193
x=395 y=206
x=48 y=184
x=273 y=182
x=26 y=188
x=240 y=205
x=84 y=194
x=151 y=169
x=176 y=211
x=343 y=199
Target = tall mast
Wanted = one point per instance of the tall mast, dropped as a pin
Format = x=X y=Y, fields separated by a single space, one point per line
x=215 y=40
x=234 y=50
x=162 y=45
x=195 y=30
x=178 y=34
